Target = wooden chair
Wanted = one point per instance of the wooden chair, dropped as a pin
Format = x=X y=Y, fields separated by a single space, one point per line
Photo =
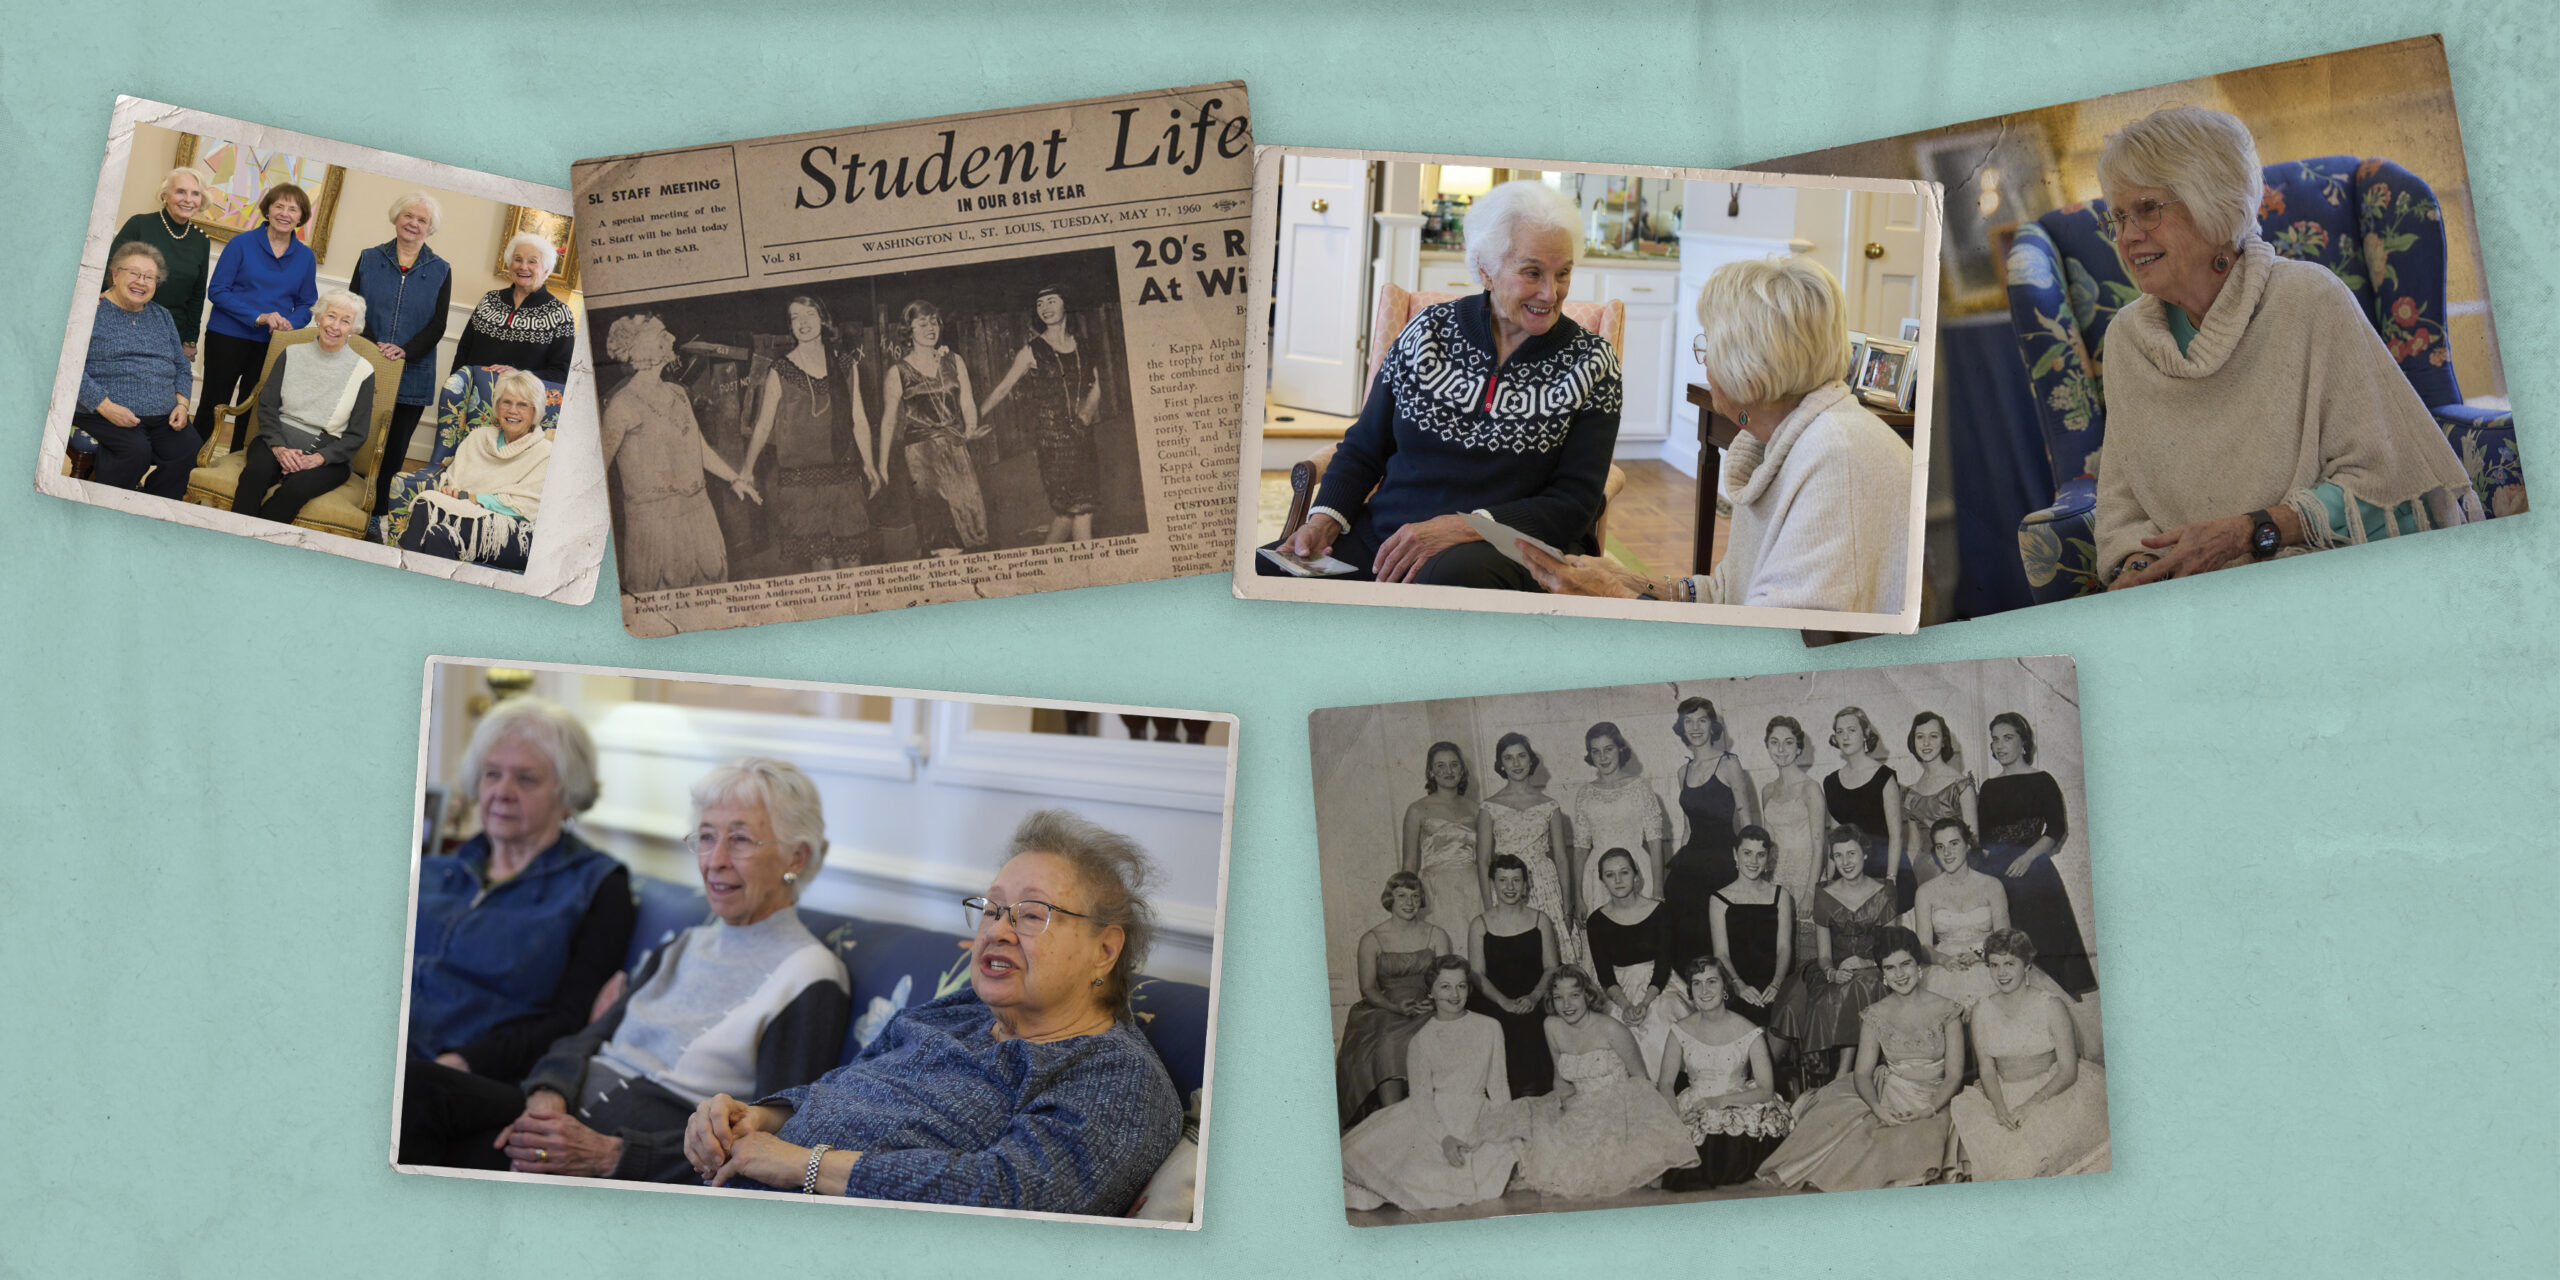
x=344 y=510
x=1396 y=308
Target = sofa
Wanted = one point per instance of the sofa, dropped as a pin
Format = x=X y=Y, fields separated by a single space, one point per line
x=463 y=403
x=2374 y=223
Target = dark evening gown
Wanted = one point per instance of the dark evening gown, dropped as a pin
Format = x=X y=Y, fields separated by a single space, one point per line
x=1374 y=1037
x=1513 y=963
x=1863 y=808
x=1751 y=931
x=2017 y=810
x=1630 y=956
x=1702 y=866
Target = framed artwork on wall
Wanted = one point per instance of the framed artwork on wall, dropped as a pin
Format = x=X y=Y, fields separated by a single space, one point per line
x=237 y=174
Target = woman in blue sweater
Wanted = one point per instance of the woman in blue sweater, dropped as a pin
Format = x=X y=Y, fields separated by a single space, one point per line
x=133 y=386
x=1494 y=402
x=263 y=284
x=406 y=290
x=1031 y=1090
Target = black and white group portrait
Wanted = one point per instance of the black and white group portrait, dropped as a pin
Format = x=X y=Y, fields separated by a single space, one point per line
x=1703 y=939
x=835 y=424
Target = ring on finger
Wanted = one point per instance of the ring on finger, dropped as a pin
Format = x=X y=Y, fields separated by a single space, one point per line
x=541 y=1154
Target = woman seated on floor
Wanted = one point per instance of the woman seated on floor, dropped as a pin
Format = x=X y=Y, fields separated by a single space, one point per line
x=1493 y=402
x=1032 y=1089
x=483 y=509
x=749 y=1001
x=1885 y=1124
x=314 y=410
x=1439 y=1148
x=1820 y=487
x=2040 y=1109
x=1604 y=1130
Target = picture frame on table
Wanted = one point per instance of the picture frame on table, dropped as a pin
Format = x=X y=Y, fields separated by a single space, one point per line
x=1884 y=373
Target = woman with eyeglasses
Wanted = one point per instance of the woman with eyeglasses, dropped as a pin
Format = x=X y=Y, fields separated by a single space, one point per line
x=749 y=1001
x=1031 y=1089
x=1820 y=487
x=2253 y=410
x=134 y=383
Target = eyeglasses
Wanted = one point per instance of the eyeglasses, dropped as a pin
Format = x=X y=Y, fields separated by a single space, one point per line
x=137 y=273
x=2142 y=214
x=1030 y=916
x=1698 y=349
x=737 y=844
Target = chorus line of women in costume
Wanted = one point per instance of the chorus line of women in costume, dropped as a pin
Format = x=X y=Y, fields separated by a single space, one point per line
x=837 y=477
x=721 y=1059
x=1680 y=951
x=265 y=283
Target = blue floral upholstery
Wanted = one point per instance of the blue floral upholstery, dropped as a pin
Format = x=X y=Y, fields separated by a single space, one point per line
x=896 y=966
x=463 y=404
x=2375 y=224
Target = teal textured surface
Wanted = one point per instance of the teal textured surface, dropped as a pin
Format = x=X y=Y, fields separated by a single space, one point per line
x=2329 y=907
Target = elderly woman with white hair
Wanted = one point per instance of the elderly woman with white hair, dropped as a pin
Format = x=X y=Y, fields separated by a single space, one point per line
x=1031 y=1088
x=2252 y=411
x=519 y=928
x=520 y=325
x=186 y=252
x=406 y=290
x=748 y=1000
x=1494 y=403
x=314 y=410
x=1820 y=488
x=483 y=508
x=134 y=382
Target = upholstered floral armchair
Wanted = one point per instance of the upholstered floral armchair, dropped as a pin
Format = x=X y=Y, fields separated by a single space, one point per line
x=463 y=402
x=2375 y=224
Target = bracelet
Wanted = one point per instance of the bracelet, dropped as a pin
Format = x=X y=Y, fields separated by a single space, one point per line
x=809 y=1180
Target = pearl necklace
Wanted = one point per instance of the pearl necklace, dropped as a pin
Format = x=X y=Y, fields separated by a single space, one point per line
x=175 y=233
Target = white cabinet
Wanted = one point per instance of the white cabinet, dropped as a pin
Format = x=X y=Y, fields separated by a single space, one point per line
x=1447 y=275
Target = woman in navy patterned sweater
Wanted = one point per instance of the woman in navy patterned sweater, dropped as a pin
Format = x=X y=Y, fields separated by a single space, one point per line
x=1032 y=1089
x=1493 y=402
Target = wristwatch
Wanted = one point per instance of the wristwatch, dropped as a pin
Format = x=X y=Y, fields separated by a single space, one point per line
x=2263 y=535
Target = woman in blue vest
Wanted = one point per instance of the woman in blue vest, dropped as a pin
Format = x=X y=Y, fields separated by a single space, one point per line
x=263 y=284
x=522 y=926
x=407 y=290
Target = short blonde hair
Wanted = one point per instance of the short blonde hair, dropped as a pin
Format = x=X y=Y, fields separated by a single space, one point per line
x=435 y=211
x=1498 y=217
x=550 y=255
x=1773 y=328
x=2207 y=158
x=182 y=171
x=524 y=385
x=352 y=301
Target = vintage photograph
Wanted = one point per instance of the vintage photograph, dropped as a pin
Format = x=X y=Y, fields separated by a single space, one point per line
x=2258 y=296
x=938 y=360
x=740 y=937
x=1607 y=391
x=1710 y=939
x=306 y=342
x=935 y=412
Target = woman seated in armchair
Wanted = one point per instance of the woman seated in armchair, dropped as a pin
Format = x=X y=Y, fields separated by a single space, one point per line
x=1494 y=403
x=484 y=507
x=1820 y=487
x=2252 y=411
x=314 y=411
x=748 y=1001
x=1031 y=1089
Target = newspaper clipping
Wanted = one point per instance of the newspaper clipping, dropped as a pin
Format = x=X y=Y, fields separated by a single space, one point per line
x=951 y=359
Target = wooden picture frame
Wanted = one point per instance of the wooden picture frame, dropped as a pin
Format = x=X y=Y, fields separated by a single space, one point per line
x=235 y=176
x=560 y=231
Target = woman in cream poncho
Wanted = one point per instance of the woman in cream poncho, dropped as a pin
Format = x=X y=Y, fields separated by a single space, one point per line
x=2251 y=409
x=484 y=508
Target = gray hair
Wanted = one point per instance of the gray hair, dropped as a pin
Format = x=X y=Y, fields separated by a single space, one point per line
x=137 y=249
x=352 y=301
x=788 y=797
x=1498 y=217
x=1772 y=328
x=546 y=727
x=435 y=211
x=2206 y=158
x=523 y=384
x=550 y=255
x=182 y=171
x=1117 y=873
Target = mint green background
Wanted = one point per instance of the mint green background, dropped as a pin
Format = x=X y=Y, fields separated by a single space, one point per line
x=2320 y=790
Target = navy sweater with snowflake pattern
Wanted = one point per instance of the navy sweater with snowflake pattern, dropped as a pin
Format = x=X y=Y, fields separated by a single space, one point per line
x=1446 y=430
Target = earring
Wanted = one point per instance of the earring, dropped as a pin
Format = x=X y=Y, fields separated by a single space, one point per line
x=1097 y=982
x=791 y=877
x=2221 y=263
